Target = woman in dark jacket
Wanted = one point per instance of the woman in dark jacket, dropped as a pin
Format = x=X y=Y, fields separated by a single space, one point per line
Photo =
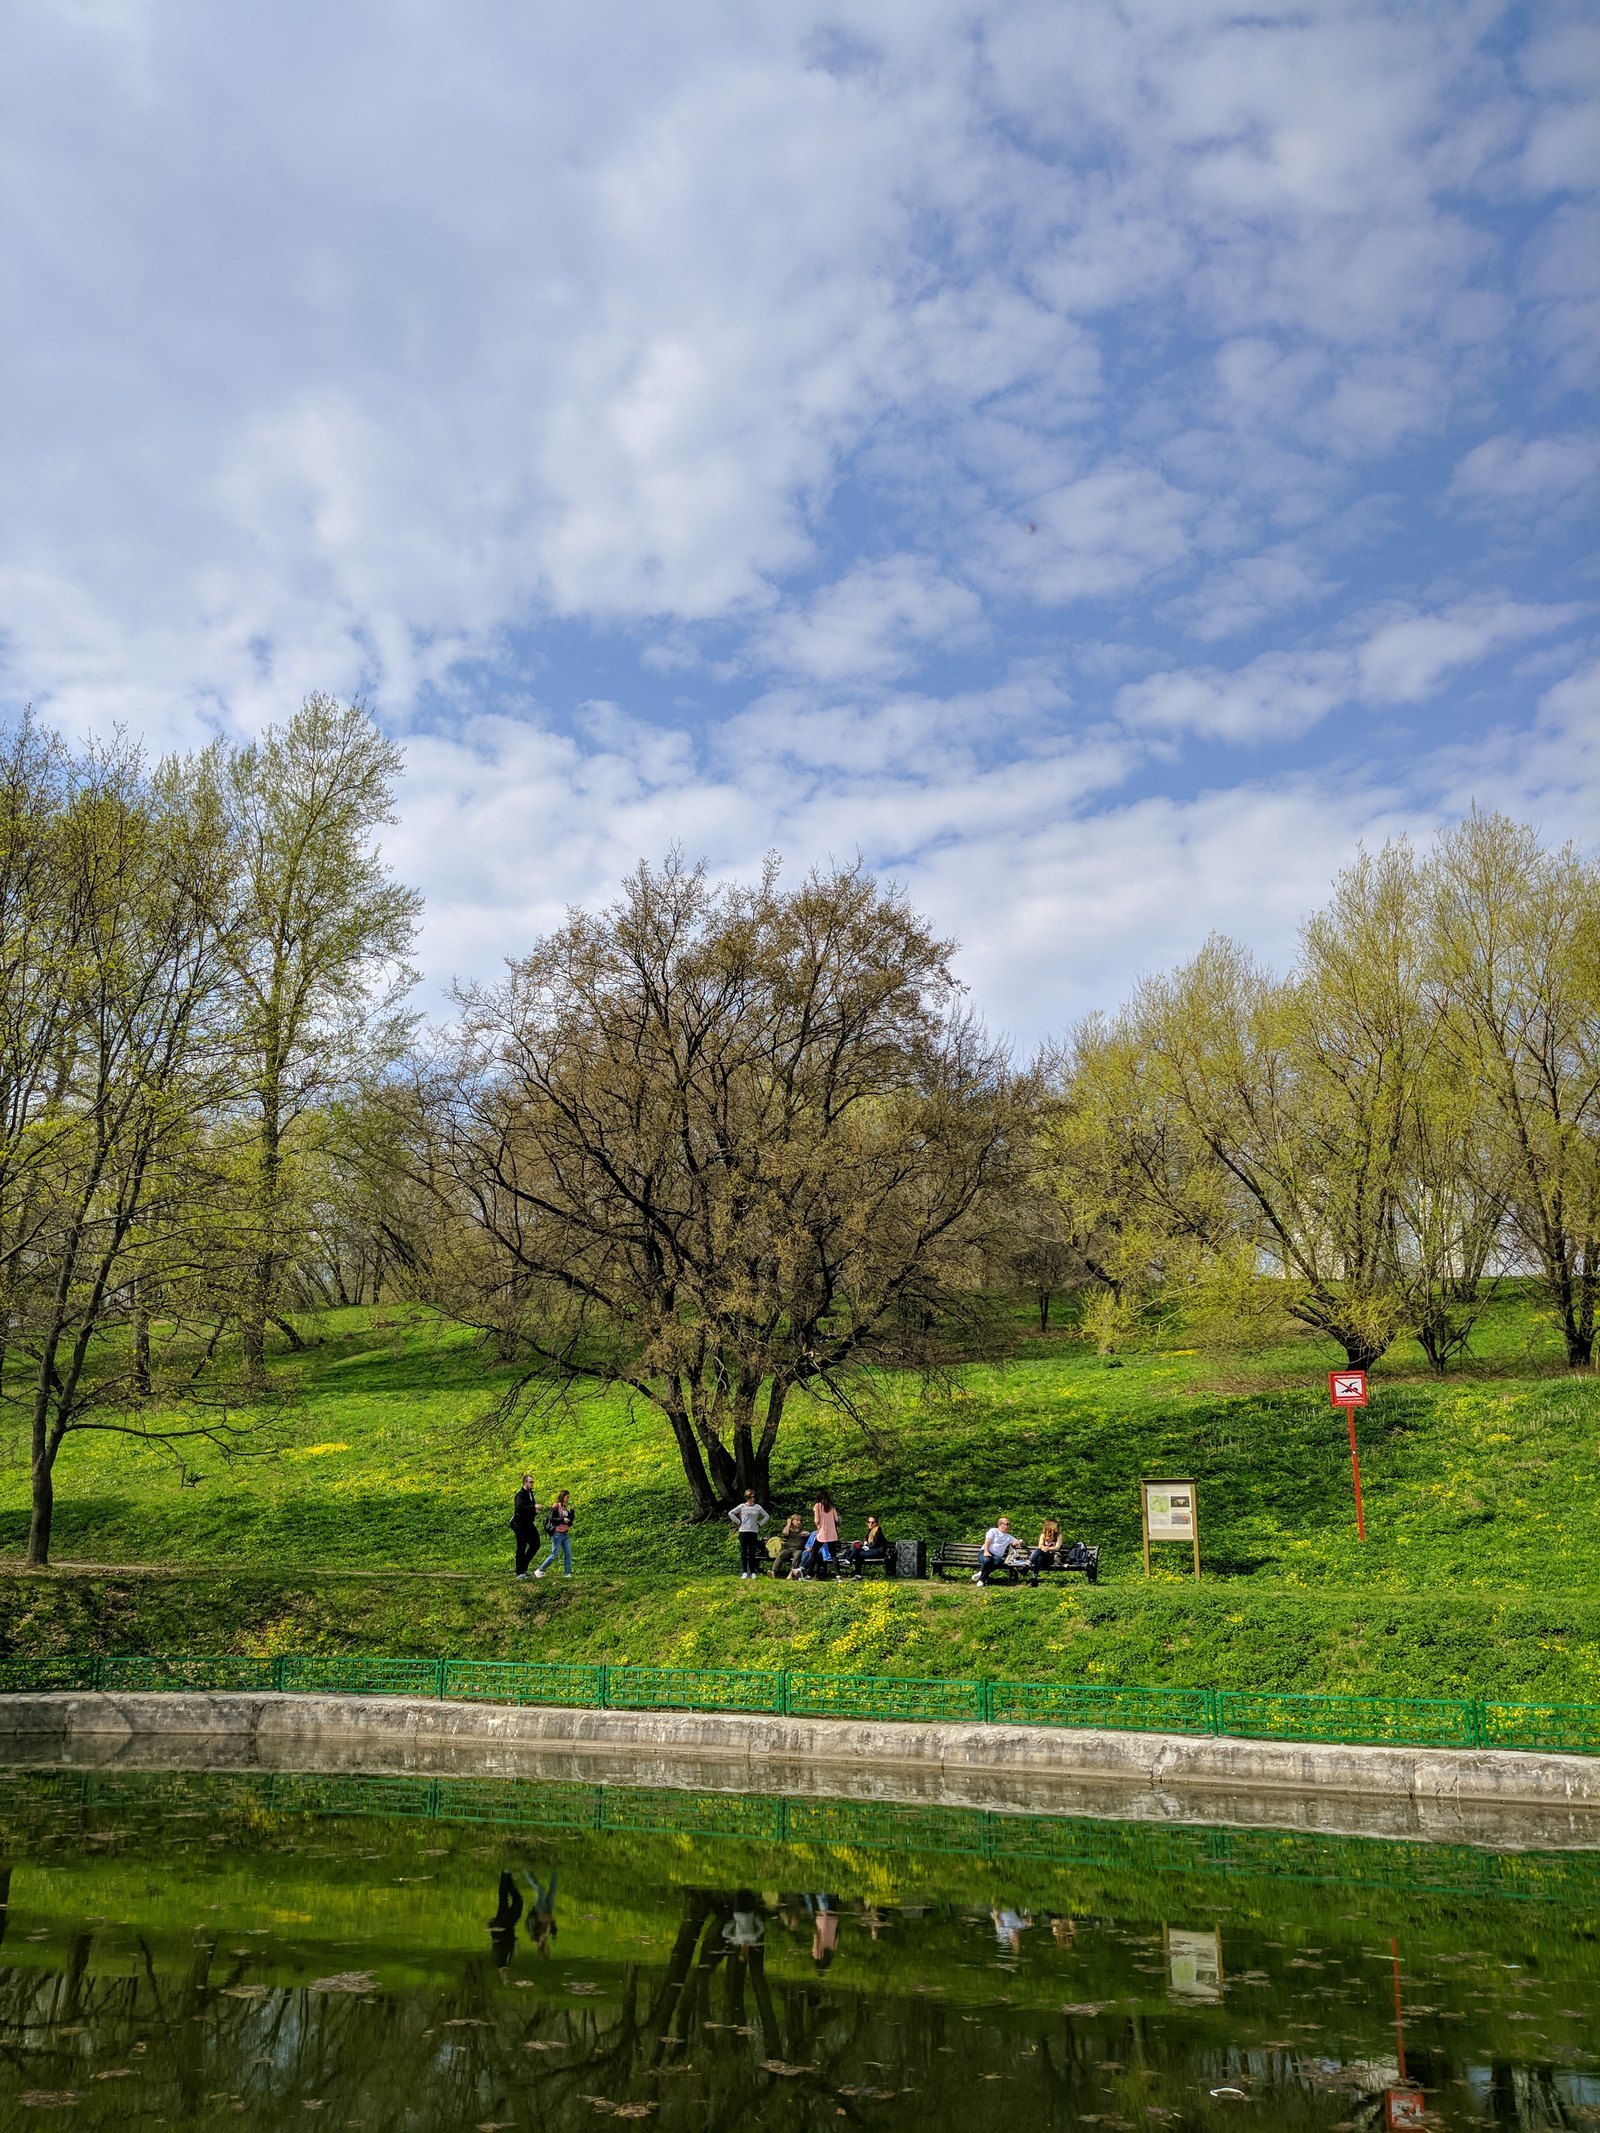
x=875 y=1548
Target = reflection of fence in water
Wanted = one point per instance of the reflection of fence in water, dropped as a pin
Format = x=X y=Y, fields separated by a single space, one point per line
x=867 y=1825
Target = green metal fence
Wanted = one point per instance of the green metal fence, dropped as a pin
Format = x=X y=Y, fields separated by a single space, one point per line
x=873 y=1697
x=510 y=1681
x=690 y=1688
x=1043 y=1703
x=1571 y=1878
x=1247 y=1714
x=1384 y=1721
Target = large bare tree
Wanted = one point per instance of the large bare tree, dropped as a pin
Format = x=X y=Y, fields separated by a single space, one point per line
x=720 y=1143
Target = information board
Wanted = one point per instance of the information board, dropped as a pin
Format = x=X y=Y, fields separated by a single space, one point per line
x=1194 y=1963
x=1169 y=1511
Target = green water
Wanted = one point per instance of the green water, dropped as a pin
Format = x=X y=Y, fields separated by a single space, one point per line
x=263 y=1952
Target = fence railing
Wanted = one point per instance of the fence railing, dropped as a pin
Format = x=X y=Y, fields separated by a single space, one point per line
x=1244 y=1714
x=553 y=1806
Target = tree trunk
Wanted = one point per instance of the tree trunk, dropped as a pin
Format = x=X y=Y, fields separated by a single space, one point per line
x=1580 y=1343
x=44 y=1505
x=264 y=1272
x=1044 y=1310
x=141 y=1349
x=702 y=1496
x=255 y=1349
x=1360 y=1350
x=752 y=1471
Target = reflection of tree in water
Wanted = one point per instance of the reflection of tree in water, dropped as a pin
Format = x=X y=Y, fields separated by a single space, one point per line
x=706 y=2039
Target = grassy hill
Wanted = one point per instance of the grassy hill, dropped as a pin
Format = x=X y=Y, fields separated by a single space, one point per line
x=1480 y=1572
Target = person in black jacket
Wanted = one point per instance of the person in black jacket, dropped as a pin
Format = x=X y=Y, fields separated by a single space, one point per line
x=525 y=1524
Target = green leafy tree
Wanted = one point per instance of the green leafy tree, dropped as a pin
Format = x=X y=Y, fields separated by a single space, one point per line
x=117 y=1048
x=1516 y=947
x=317 y=931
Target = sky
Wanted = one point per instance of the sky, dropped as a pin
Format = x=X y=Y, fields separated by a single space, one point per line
x=1098 y=463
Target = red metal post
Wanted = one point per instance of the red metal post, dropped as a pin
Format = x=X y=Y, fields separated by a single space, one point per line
x=1355 y=1474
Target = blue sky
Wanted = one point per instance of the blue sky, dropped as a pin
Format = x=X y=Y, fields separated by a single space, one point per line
x=1100 y=463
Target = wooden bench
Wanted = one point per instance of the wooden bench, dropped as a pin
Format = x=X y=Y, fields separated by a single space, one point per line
x=1073 y=1557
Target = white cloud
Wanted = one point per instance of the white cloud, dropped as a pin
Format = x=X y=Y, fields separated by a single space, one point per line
x=1406 y=659
x=878 y=621
x=1273 y=698
x=1105 y=532
x=1402 y=659
x=1241 y=595
x=1059 y=896
x=1527 y=473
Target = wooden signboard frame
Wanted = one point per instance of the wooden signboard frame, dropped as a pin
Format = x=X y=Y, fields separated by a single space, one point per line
x=1146 y=1484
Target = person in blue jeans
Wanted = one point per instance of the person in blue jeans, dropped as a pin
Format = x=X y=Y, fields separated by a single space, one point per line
x=997 y=1544
x=558 y=1524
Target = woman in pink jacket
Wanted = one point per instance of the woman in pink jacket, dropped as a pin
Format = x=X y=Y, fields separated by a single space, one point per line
x=824 y=1534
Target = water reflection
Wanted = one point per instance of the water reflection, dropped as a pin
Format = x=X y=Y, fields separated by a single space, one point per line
x=194 y=1956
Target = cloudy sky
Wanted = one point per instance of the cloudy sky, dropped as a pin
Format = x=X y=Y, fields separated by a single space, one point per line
x=1098 y=461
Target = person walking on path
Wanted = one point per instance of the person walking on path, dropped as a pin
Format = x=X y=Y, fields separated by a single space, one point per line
x=747 y=1519
x=525 y=1525
x=996 y=1549
x=824 y=1533
x=558 y=1523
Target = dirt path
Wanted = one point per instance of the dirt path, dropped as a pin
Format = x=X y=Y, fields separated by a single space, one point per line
x=14 y=1566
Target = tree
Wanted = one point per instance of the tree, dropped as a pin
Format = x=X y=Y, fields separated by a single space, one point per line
x=318 y=931
x=720 y=1143
x=117 y=1056
x=1036 y=1252
x=1308 y=1094
x=1517 y=949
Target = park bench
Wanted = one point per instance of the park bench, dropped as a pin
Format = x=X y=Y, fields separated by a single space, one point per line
x=910 y=1561
x=1074 y=1557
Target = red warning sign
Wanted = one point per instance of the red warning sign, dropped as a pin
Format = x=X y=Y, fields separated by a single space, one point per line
x=1347 y=1388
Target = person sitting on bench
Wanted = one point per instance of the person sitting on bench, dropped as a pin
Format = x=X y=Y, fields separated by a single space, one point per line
x=1047 y=1556
x=791 y=1546
x=997 y=1545
x=875 y=1548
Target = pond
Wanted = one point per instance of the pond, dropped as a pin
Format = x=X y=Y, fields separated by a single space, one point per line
x=264 y=1950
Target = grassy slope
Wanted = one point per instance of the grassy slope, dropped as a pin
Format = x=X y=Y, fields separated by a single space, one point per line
x=1480 y=1572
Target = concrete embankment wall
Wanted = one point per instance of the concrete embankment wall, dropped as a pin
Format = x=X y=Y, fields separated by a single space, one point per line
x=1426 y=1792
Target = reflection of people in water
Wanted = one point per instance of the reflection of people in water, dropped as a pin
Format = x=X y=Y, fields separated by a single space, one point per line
x=541 y=1926
x=1009 y=1927
x=503 y=1925
x=1064 y=1931
x=746 y=1929
x=824 y=1929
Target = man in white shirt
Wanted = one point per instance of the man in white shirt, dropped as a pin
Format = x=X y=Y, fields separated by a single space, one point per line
x=996 y=1547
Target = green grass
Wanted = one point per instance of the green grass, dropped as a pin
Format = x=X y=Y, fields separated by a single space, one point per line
x=1479 y=1575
